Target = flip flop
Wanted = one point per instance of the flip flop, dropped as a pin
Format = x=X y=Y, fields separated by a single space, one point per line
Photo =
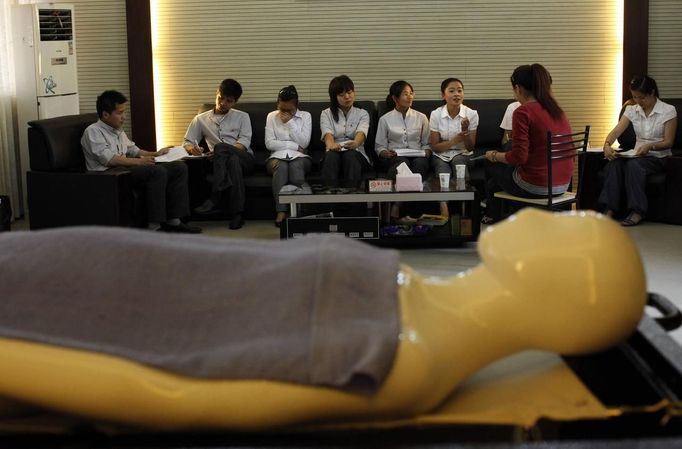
x=630 y=222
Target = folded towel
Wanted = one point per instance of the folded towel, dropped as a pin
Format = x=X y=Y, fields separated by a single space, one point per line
x=321 y=310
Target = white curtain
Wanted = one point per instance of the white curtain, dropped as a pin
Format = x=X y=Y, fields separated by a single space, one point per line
x=9 y=182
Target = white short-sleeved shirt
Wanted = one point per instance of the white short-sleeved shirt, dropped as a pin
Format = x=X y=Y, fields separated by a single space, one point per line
x=448 y=127
x=357 y=120
x=395 y=131
x=101 y=142
x=284 y=139
x=651 y=129
x=506 y=123
x=233 y=127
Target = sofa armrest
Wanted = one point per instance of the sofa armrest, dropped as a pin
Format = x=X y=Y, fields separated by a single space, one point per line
x=672 y=209
x=88 y=198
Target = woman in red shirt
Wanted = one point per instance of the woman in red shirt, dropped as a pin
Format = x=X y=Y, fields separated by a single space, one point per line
x=523 y=170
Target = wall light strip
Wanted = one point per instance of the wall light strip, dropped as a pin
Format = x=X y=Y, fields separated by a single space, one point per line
x=156 y=69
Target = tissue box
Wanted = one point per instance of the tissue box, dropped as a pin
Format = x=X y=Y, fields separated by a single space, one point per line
x=409 y=183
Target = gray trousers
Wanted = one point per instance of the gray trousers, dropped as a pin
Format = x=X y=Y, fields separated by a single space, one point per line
x=230 y=164
x=165 y=187
x=287 y=172
x=628 y=176
x=350 y=165
x=440 y=166
x=417 y=165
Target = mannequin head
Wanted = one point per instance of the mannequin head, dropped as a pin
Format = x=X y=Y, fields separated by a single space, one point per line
x=575 y=280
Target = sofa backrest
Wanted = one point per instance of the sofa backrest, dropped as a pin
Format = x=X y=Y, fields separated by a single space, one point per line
x=54 y=144
x=628 y=138
x=490 y=113
x=317 y=146
x=258 y=112
x=677 y=102
x=489 y=133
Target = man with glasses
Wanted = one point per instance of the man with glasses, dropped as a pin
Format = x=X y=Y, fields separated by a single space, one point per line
x=227 y=133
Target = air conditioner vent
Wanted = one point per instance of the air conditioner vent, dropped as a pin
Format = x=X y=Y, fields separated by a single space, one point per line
x=55 y=24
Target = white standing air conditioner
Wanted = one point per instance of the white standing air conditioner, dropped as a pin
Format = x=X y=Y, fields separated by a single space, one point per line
x=45 y=67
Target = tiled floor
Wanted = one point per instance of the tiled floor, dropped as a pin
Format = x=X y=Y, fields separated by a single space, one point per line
x=660 y=246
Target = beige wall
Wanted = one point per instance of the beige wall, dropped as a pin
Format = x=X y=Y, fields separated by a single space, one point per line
x=269 y=43
x=665 y=44
x=102 y=48
x=266 y=44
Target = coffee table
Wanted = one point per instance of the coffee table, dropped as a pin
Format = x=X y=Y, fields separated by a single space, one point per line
x=461 y=196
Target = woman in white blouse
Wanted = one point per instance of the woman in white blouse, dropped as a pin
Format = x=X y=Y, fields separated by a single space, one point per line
x=453 y=132
x=402 y=131
x=506 y=125
x=344 y=130
x=654 y=123
x=287 y=136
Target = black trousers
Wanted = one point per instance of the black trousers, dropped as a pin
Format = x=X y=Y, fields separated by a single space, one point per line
x=350 y=165
x=627 y=177
x=230 y=164
x=165 y=187
x=500 y=177
x=417 y=165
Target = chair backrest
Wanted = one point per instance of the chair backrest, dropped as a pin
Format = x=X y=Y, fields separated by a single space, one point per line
x=54 y=144
x=490 y=113
x=561 y=147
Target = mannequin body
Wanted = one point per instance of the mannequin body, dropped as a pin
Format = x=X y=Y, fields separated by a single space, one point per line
x=564 y=283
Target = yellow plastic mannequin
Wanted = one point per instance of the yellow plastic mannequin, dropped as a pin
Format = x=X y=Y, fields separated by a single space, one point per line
x=566 y=283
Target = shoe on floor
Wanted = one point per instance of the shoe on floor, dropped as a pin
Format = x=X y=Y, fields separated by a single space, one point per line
x=281 y=216
x=404 y=220
x=236 y=222
x=633 y=219
x=206 y=207
x=182 y=228
x=487 y=220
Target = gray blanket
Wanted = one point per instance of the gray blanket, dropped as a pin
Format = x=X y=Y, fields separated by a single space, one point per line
x=320 y=310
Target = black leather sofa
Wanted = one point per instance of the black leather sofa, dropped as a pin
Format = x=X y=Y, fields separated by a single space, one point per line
x=664 y=191
x=260 y=202
x=62 y=193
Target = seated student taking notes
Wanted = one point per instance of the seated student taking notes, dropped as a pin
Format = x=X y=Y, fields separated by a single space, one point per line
x=287 y=136
x=344 y=129
x=400 y=130
x=105 y=145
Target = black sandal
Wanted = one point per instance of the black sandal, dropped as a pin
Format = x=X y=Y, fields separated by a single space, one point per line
x=631 y=221
x=486 y=220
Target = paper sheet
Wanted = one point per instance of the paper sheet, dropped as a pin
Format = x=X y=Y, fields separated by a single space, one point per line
x=628 y=153
x=344 y=143
x=174 y=154
x=409 y=152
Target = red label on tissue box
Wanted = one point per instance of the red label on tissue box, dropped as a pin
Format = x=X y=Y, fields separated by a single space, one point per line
x=380 y=185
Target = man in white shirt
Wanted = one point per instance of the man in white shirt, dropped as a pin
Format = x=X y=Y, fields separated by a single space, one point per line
x=227 y=133
x=106 y=145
